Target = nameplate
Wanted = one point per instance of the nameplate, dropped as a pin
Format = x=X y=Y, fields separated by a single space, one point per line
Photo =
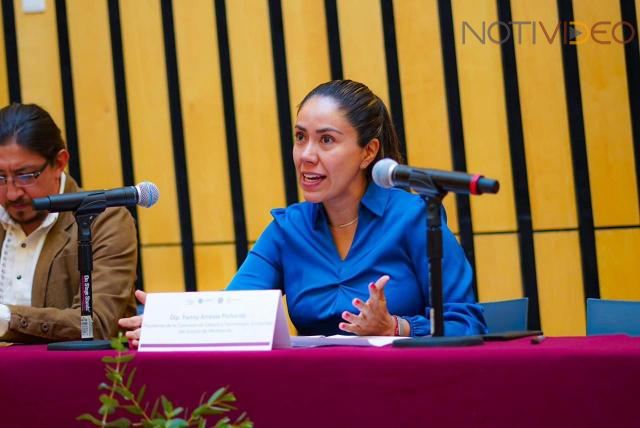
x=214 y=321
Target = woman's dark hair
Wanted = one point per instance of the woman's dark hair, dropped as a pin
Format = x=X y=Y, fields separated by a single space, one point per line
x=366 y=112
x=33 y=129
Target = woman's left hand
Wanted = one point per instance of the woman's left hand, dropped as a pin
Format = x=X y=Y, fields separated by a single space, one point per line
x=374 y=318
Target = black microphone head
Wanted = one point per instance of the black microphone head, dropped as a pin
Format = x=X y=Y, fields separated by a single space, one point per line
x=382 y=172
x=488 y=185
x=148 y=194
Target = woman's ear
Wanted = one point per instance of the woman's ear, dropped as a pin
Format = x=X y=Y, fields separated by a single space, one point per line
x=370 y=153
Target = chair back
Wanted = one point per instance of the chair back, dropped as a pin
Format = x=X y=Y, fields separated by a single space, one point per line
x=506 y=315
x=613 y=317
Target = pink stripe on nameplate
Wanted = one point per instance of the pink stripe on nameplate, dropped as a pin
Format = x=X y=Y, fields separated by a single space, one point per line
x=201 y=345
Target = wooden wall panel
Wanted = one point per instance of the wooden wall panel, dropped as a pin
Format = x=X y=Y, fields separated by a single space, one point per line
x=498 y=267
x=151 y=142
x=256 y=111
x=562 y=300
x=305 y=36
x=215 y=266
x=96 y=115
x=362 y=44
x=163 y=269
x=424 y=100
x=484 y=115
x=605 y=99
x=203 y=120
x=4 y=80
x=544 y=119
x=39 y=60
x=618 y=255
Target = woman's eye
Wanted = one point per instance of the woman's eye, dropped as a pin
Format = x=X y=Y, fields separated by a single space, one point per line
x=327 y=139
x=299 y=136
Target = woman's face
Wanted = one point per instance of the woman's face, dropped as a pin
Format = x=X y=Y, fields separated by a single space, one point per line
x=329 y=162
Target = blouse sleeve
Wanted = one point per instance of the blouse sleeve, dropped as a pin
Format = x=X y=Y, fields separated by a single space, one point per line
x=262 y=269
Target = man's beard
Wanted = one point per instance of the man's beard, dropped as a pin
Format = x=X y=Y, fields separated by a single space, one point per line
x=38 y=216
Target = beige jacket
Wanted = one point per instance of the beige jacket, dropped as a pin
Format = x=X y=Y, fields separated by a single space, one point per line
x=54 y=314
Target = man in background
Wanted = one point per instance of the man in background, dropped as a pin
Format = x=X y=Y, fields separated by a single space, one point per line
x=39 y=278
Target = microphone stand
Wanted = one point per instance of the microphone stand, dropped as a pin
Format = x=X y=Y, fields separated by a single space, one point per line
x=86 y=213
x=433 y=198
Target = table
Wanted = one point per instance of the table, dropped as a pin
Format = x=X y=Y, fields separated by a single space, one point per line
x=571 y=382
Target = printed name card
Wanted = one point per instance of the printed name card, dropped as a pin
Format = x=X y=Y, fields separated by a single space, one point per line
x=214 y=321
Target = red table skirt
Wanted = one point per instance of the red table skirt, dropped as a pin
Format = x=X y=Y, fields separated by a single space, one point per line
x=570 y=382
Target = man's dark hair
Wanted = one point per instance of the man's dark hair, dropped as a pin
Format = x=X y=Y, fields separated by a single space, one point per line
x=33 y=129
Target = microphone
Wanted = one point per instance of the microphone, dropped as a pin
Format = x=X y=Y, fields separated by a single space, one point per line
x=144 y=194
x=388 y=173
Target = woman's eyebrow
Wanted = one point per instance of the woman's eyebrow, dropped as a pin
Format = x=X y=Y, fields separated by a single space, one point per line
x=328 y=129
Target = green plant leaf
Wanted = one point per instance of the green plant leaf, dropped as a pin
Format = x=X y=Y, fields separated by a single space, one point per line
x=167 y=406
x=124 y=393
x=229 y=397
x=134 y=410
x=105 y=409
x=141 y=393
x=89 y=418
x=124 y=358
x=117 y=343
x=119 y=423
x=176 y=423
x=214 y=397
x=132 y=373
x=114 y=376
x=176 y=412
x=105 y=399
x=154 y=410
x=224 y=422
x=206 y=410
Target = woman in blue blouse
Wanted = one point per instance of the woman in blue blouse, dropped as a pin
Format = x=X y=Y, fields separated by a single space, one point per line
x=352 y=258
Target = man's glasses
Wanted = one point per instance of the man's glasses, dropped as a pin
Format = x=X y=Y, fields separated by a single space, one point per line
x=23 y=180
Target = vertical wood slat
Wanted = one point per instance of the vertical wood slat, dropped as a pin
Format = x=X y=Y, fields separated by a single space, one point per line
x=545 y=122
x=562 y=298
x=307 y=48
x=498 y=267
x=618 y=251
x=205 y=139
x=39 y=60
x=4 y=80
x=362 y=44
x=96 y=115
x=423 y=91
x=607 y=118
x=484 y=115
x=151 y=141
x=256 y=114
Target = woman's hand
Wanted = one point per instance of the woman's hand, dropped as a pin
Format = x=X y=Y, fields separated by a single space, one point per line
x=133 y=324
x=374 y=318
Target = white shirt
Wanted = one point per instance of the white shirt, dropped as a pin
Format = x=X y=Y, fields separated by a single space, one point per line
x=18 y=260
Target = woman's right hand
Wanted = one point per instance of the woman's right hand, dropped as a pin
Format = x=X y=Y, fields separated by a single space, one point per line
x=133 y=324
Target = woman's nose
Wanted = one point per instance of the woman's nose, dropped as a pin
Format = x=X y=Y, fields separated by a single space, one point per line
x=309 y=153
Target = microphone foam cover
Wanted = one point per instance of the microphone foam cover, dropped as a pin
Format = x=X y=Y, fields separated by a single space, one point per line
x=382 y=171
x=148 y=194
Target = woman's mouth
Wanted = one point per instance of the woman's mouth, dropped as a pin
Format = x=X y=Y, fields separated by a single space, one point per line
x=310 y=180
